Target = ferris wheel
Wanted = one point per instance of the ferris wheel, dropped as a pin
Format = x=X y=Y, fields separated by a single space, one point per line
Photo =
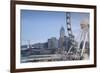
x=69 y=29
x=72 y=37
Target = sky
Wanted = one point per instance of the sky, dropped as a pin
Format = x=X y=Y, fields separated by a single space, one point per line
x=39 y=26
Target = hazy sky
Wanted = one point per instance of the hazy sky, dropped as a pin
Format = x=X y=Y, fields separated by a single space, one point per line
x=38 y=26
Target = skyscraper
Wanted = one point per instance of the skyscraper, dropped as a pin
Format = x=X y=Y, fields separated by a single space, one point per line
x=61 y=38
x=62 y=32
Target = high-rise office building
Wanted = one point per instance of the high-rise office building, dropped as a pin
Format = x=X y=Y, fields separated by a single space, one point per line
x=61 y=38
x=62 y=32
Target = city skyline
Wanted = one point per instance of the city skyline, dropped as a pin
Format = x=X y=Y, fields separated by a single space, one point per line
x=50 y=40
x=38 y=26
x=52 y=46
